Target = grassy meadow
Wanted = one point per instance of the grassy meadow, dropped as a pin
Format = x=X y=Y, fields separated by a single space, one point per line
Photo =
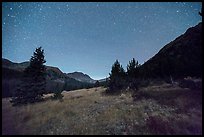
x=155 y=109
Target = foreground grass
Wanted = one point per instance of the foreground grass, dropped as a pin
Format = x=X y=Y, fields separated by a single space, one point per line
x=154 y=110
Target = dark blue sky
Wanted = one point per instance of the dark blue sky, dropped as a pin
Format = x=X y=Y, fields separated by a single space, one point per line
x=89 y=37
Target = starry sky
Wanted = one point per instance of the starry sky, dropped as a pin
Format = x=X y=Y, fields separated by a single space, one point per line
x=89 y=36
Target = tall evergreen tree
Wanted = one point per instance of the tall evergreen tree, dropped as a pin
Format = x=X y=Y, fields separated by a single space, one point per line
x=97 y=84
x=132 y=68
x=117 y=77
x=33 y=83
x=133 y=74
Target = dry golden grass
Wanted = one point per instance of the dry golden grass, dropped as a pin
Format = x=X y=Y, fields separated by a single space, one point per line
x=89 y=111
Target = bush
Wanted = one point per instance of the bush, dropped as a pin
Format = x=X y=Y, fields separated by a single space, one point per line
x=58 y=95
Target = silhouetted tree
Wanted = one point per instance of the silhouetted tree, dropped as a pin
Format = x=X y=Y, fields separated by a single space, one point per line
x=33 y=83
x=97 y=84
x=133 y=74
x=117 y=77
x=132 y=68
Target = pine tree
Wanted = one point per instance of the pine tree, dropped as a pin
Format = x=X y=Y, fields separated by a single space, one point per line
x=33 y=83
x=132 y=68
x=97 y=84
x=133 y=74
x=117 y=77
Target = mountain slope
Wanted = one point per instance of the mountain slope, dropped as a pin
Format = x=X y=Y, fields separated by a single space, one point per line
x=55 y=80
x=81 y=77
x=16 y=66
x=181 y=57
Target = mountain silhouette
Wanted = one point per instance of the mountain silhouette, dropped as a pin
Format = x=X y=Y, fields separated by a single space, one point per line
x=55 y=80
x=180 y=58
x=81 y=77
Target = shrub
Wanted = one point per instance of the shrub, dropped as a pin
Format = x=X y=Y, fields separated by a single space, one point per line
x=58 y=95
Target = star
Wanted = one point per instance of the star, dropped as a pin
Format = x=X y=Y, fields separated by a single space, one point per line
x=68 y=25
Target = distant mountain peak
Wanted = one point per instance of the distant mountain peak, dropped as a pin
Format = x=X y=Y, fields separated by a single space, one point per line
x=55 y=78
x=81 y=77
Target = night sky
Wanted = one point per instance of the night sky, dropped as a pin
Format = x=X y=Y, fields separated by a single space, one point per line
x=89 y=37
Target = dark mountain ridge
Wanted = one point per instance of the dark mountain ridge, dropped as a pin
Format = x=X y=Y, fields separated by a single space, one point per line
x=180 y=58
x=55 y=80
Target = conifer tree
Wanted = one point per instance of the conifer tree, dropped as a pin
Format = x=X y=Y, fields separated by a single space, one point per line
x=117 y=77
x=33 y=83
x=97 y=84
x=132 y=68
x=132 y=74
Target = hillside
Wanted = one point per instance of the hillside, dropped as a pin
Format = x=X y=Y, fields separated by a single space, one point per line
x=81 y=77
x=15 y=66
x=156 y=109
x=55 y=80
x=181 y=57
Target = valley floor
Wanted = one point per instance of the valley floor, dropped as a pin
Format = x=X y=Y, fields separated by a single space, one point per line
x=158 y=109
